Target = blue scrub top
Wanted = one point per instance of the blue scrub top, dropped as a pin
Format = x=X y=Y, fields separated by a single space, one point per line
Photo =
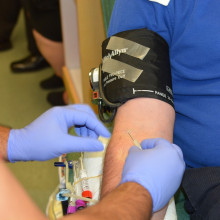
x=192 y=31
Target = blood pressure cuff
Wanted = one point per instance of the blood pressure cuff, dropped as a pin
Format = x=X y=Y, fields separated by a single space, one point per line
x=136 y=64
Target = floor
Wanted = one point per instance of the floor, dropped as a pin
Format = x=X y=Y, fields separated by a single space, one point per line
x=22 y=100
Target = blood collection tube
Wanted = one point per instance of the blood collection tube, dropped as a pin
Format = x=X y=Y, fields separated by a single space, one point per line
x=71 y=207
x=80 y=204
x=84 y=183
x=72 y=201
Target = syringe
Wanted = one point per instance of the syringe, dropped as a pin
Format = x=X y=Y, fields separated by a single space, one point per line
x=85 y=184
x=136 y=143
x=80 y=204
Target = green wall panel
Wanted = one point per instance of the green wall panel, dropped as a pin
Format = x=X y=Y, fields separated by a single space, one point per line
x=107 y=6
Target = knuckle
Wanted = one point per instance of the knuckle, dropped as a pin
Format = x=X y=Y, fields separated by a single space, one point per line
x=55 y=109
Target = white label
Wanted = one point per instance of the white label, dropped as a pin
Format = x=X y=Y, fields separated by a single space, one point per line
x=162 y=2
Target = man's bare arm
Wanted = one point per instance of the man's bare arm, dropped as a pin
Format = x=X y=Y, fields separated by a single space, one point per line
x=14 y=201
x=146 y=118
x=130 y=201
x=4 y=134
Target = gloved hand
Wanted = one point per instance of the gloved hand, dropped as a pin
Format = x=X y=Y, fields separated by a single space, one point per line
x=47 y=137
x=159 y=168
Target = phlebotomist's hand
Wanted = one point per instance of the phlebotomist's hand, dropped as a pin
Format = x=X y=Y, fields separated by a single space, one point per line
x=47 y=137
x=159 y=168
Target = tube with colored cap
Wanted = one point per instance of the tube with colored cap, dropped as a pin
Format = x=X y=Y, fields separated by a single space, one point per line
x=80 y=204
x=84 y=183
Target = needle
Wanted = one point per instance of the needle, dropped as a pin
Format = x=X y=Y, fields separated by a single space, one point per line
x=135 y=141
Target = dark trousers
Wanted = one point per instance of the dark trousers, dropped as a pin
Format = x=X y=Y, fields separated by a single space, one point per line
x=202 y=188
x=9 y=12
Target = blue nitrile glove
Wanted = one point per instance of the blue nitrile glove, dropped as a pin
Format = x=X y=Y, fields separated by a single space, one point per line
x=47 y=137
x=159 y=168
x=84 y=131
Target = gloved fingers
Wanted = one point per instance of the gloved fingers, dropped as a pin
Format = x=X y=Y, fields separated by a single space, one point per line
x=84 y=119
x=85 y=132
x=181 y=158
x=77 y=130
x=92 y=134
x=83 y=107
x=81 y=131
x=149 y=143
x=179 y=151
x=134 y=149
x=79 y=144
x=153 y=142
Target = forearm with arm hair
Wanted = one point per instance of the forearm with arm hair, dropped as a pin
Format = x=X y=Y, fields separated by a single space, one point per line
x=129 y=201
x=14 y=201
x=146 y=118
x=4 y=134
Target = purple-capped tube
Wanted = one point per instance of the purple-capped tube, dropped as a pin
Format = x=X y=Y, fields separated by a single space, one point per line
x=71 y=209
x=80 y=204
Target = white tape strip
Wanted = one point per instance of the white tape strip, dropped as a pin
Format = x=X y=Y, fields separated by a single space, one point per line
x=162 y=2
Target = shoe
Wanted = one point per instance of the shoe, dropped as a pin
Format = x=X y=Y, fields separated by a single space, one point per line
x=5 y=45
x=53 y=82
x=29 y=63
x=56 y=98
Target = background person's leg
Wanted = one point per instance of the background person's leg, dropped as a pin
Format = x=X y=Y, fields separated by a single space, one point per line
x=45 y=19
x=52 y=51
x=34 y=61
x=9 y=11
